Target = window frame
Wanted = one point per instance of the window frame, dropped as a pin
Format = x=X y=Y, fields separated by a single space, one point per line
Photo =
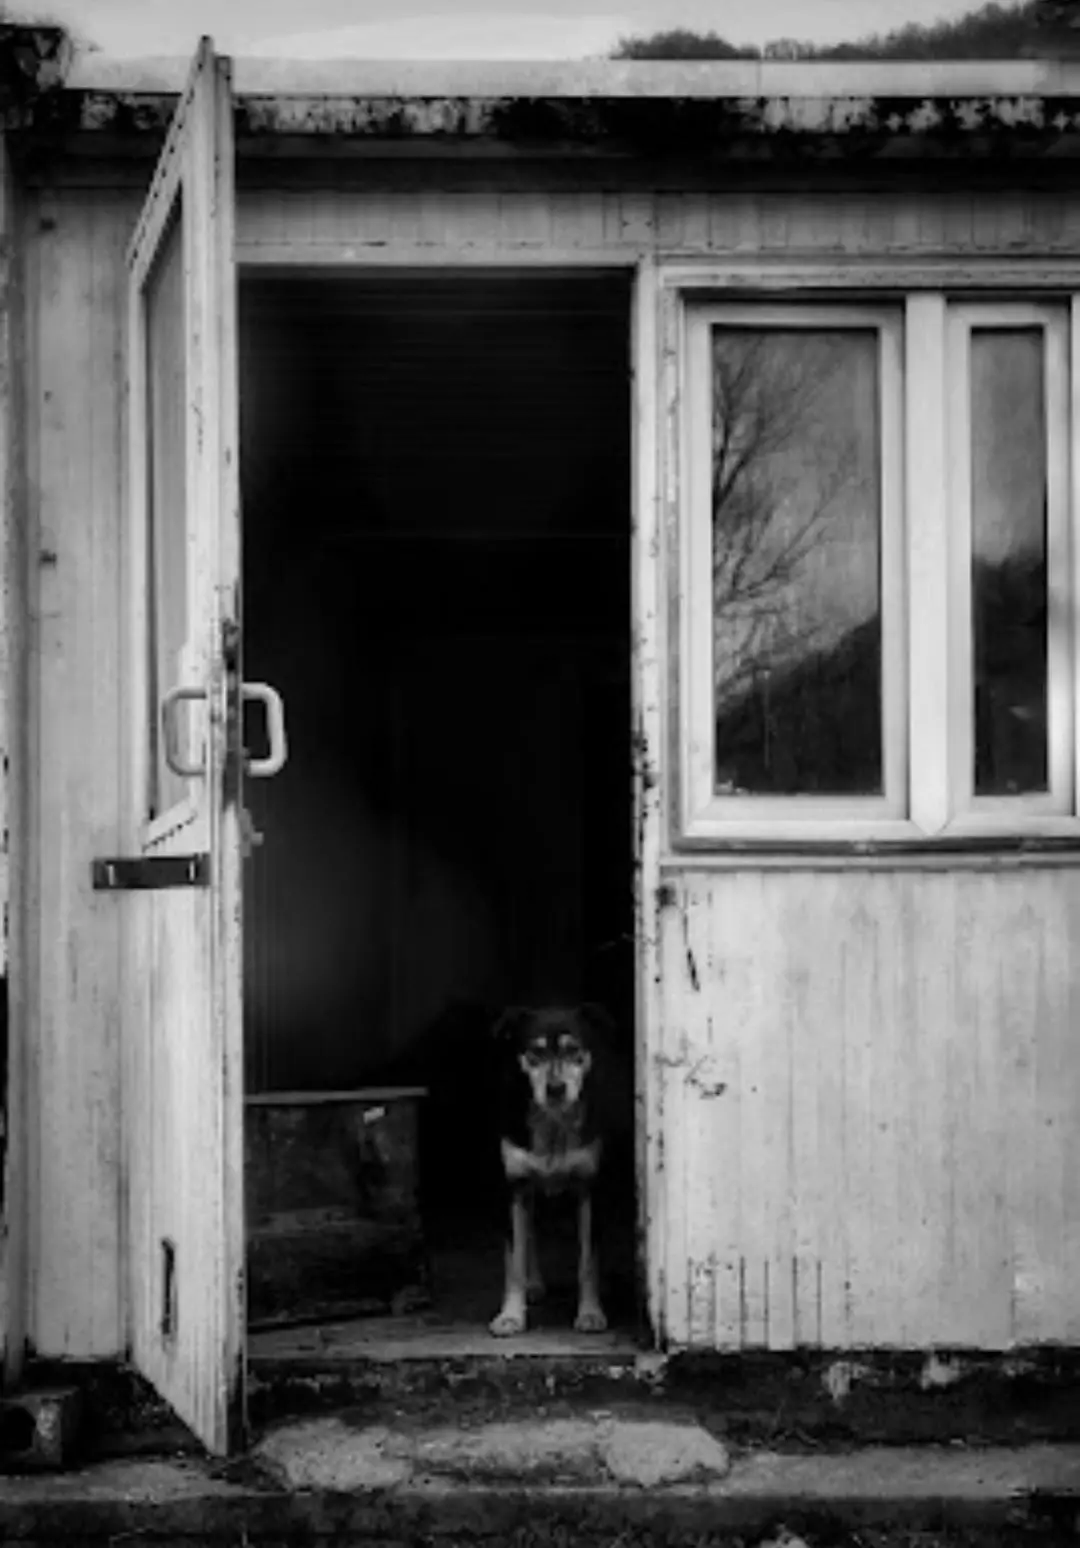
x=172 y=200
x=978 y=812
x=708 y=813
x=933 y=567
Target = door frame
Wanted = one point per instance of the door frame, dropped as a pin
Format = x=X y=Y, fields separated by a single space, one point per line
x=20 y=1010
x=647 y=762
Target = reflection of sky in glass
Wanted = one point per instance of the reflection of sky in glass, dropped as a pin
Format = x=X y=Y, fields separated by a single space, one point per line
x=796 y=533
x=1008 y=436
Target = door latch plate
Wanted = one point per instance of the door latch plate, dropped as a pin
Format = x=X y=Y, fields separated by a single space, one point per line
x=150 y=872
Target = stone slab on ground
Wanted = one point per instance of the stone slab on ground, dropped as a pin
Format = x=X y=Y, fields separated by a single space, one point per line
x=597 y=1451
x=325 y=1478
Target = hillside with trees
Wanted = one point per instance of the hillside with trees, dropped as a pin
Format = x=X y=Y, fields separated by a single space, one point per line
x=992 y=31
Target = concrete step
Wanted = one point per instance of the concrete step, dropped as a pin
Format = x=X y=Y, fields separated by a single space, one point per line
x=598 y=1481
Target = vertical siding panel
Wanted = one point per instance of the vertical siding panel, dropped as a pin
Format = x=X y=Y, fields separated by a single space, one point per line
x=1066 y=1141
x=980 y=1281
x=1014 y=984
x=1050 y=1006
x=806 y=1049
x=896 y=1128
x=1070 y=235
x=700 y=1154
x=638 y=220
x=524 y=220
x=986 y=221
x=905 y=234
x=759 y=1080
x=676 y=1149
x=959 y=232
x=697 y=216
x=371 y=223
x=671 y=229
x=629 y=221
x=902 y=1107
x=728 y=995
x=439 y=214
x=778 y=213
x=778 y=1126
x=406 y=214
x=76 y=1165
x=857 y=951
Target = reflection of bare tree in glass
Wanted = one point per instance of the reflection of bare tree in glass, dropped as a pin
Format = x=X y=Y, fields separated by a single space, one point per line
x=789 y=465
x=763 y=526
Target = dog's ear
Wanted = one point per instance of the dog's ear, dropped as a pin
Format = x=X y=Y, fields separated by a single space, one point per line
x=510 y=1024
x=598 y=1022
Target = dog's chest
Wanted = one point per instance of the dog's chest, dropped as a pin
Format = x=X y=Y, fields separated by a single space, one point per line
x=557 y=1153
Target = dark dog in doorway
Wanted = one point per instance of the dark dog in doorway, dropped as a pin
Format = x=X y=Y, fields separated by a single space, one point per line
x=551 y=1143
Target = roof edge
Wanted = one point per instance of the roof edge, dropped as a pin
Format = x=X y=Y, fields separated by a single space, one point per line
x=601 y=78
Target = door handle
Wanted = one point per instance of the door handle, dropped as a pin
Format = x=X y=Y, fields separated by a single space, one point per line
x=170 y=728
x=274 y=762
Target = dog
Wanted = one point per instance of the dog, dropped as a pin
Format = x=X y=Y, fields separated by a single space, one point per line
x=550 y=1143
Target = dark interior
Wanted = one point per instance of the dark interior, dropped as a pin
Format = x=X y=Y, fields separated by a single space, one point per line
x=435 y=475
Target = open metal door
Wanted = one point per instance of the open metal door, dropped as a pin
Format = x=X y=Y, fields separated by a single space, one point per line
x=180 y=874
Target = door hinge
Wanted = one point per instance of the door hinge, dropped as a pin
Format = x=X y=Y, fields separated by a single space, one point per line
x=148 y=872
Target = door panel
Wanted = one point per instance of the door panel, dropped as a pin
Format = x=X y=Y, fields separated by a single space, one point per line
x=182 y=1030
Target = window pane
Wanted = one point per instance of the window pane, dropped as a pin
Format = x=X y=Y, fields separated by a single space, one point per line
x=1008 y=516
x=166 y=496
x=796 y=508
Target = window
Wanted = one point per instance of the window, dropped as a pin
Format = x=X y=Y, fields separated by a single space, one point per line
x=166 y=501
x=875 y=588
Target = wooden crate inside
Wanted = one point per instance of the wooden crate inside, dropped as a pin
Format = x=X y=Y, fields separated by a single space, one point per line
x=333 y=1218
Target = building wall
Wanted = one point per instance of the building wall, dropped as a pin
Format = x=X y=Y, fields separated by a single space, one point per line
x=829 y=1145
x=620 y=223
x=872 y=1107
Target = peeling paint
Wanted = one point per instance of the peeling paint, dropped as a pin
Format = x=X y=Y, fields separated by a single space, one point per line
x=937 y=1373
x=839 y=1378
x=691 y=962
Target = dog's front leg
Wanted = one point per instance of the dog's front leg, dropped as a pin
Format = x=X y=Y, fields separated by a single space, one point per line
x=590 y=1317
x=534 y=1279
x=512 y=1318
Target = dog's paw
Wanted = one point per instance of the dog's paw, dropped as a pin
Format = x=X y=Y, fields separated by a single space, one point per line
x=508 y=1322
x=590 y=1319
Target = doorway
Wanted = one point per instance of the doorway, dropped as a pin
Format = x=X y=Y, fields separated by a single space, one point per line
x=436 y=493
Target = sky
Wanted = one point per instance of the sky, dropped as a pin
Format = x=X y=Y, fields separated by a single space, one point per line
x=447 y=29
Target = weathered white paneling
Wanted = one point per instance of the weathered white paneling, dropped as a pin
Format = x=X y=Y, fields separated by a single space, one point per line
x=893 y=1156
x=75 y=274
x=480 y=222
x=13 y=775
x=773 y=938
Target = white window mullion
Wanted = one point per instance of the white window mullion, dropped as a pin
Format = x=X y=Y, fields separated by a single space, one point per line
x=698 y=737
x=1071 y=568
x=1061 y=686
x=895 y=602
x=930 y=561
